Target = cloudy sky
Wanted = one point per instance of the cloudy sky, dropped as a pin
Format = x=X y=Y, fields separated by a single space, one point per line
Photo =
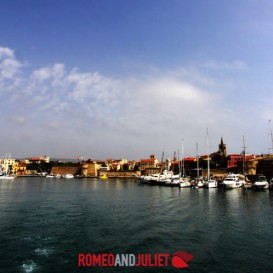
x=126 y=79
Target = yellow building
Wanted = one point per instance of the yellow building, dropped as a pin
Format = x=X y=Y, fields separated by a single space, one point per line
x=8 y=165
x=21 y=169
x=148 y=163
x=90 y=168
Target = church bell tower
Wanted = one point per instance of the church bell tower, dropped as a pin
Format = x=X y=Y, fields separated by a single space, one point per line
x=222 y=148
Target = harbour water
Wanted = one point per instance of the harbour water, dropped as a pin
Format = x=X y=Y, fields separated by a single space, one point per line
x=45 y=223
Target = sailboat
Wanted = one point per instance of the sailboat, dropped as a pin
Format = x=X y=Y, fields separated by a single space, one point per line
x=246 y=184
x=174 y=180
x=4 y=175
x=184 y=181
x=198 y=181
x=271 y=136
x=211 y=181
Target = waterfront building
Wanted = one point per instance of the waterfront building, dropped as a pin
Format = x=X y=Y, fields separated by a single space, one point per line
x=160 y=165
x=8 y=165
x=190 y=162
x=104 y=168
x=235 y=163
x=115 y=164
x=90 y=168
x=24 y=161
x=148 y=163
x=190 y=166
x=38 y=160
x=21 y=169
x=222 y=148
x=218 y=160
x=175 y=167
x=132 y=165
x=66 y=169
x=31 y=172
x=265 y=165
x=232 y=160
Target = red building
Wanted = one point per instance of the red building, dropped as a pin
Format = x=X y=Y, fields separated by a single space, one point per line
x=234 y=159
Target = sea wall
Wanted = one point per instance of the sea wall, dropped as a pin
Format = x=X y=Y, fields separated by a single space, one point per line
x=112 y=174
x=65 y=169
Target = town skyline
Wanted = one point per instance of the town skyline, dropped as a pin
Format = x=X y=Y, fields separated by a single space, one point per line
x=132 y=78
x=173 y=156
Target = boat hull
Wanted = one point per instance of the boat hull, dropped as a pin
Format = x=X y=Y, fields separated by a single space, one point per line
x=69 y=176
x=260 y=186
x=232 y=185
x=211 y=185
x=6 y=177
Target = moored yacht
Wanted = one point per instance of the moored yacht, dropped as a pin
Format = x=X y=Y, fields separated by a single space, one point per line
x=164 y=178
x=185 y=182
x=144 y=179
x=198 y=182
x=211 y=183
x=68 y=175
x=161 y=179
x=261 y=183
x=248 y=185
x=6 y=177
x=175 y=182
x=233 y=181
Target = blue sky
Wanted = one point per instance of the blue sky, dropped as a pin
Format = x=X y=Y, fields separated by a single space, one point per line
x=115 y=78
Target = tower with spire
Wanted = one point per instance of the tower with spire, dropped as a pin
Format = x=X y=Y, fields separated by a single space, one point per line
x=222 y=148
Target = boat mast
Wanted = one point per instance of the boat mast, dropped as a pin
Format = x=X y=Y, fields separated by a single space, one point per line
x=271 y=135
x=244 y=156
x=197 y=161
x=182 y=159
x=162 y=159
x=208 y=154
x=179 y=165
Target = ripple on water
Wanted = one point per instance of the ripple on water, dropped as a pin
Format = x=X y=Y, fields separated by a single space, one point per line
x=44 y=251
x=226 y=231
x=29 y=266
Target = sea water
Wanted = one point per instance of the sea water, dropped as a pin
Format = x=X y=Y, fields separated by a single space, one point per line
x=46 y=223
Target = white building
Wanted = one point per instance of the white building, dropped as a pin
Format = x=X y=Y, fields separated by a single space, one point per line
x=7 y=165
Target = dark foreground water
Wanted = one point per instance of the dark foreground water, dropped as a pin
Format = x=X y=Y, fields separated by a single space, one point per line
x=45 y=223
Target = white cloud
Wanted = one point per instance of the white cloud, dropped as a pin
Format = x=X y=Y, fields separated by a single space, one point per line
x=54 y=124
x=54 y=72
x=6 y=52
x=9 y=65
x=103 y=116
x=87 y=86
x=18 y=119
x=235 y=65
